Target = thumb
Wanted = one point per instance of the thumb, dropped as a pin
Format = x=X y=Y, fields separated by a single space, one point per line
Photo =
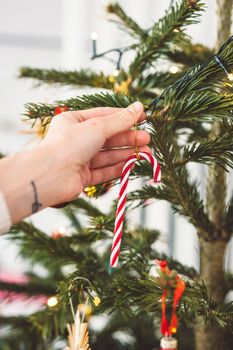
x=123 y=120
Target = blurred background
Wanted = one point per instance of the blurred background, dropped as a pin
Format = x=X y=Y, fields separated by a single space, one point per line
x=57 y=34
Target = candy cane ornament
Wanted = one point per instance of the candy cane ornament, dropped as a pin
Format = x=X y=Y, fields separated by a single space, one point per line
x=120 y=212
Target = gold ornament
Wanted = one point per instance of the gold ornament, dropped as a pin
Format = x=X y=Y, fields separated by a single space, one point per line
x=39 y=128
x=123 y=87
x=90 y=191
x=78 y=335
x=111 y=79
x=42 y=129
x=96 y=301
x=85 y=309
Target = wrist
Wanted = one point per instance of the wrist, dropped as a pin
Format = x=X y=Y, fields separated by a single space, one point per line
x=31 y=180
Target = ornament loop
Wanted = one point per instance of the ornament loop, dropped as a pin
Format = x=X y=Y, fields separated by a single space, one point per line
x=136 y=141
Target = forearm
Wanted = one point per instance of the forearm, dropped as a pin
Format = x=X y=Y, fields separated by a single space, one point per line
x=28 y=181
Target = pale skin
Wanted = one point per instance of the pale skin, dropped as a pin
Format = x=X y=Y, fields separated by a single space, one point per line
x=81 y=148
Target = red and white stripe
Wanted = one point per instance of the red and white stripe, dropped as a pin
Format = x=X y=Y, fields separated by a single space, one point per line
x=120 y=213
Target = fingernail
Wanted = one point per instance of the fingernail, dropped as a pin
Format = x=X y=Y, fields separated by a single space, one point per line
x=135 y=107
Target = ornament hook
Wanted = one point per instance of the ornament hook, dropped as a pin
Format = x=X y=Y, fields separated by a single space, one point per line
x=136 y=141
x=70 y=298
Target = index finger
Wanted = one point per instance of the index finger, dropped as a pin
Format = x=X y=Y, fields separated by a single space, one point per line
x=96 y=112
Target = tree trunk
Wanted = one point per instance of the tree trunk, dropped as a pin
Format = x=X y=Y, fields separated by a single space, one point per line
x=212 y=337
x=212 y=253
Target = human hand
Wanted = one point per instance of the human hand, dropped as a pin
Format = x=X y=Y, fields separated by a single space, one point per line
x=89 y=146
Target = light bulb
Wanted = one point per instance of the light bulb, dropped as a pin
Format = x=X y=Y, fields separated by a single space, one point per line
x=176 y=30
x=230 y=76
x=52 y=301
x=116 y=72
x=173 y=69
x=62 y=230
x=94 y=36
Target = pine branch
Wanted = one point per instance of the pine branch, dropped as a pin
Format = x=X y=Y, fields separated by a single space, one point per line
x=75 y=248
x=50 y=322
x=199 y=302
x=176 y=188
x=218 y=151
x=145 y=294
x=16 y=326
x=133 y=27
x=184 y=198
x=141 y=328
x=42 y=287
x=194 y=131
x=43 y=111
x=204 y=76
x=204 y=106
x=75 y=78
x=158 y=80
x=73 y=218
x=174 y=264
x=137 y=249
x=162 y=37
x=180 y=99
x=86 y=205
x=37 y=246
x=189 y=54
x=135 y=296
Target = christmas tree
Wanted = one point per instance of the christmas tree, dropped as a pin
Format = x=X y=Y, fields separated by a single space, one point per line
x=190 y=120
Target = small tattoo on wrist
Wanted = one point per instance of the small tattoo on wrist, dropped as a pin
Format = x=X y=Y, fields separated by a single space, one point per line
x=36 y=205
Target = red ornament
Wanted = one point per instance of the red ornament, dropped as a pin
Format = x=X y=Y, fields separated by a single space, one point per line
x=57 y=235
x=172 y=281
x=162 y=264
x=59 y=110
x=164 y=321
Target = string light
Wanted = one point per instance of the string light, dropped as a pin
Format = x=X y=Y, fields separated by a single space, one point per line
x=229 y=75
x=62 y=230
x=59 y=232
x=173 y=69
x=192 y=73
x=94 y=36
x=119 y=51
x=52 y=301
x=115 y=73
x=176 y=30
